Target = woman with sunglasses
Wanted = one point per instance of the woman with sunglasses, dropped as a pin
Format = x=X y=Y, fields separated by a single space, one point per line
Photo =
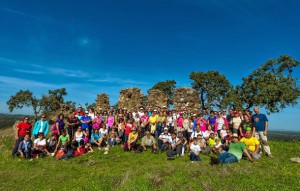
x=41 y=126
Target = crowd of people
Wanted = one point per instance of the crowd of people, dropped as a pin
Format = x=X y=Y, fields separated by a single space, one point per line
x=229 y=136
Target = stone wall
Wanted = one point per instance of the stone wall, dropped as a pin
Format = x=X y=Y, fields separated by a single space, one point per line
x=102 y=102
x=186 y=98
x=130 y=98
x=156 y=99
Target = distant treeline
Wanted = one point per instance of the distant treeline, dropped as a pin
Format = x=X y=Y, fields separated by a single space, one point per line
x=8 y=120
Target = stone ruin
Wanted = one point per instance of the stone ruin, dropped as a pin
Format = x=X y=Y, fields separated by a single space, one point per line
x=156 y=99
x=102 y=102
x=186 y=98
x=130 y=98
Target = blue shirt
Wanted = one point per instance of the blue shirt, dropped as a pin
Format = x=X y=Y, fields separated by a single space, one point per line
x=85 y=118
x=95 y=137
x=212 y=120
x=259 y=121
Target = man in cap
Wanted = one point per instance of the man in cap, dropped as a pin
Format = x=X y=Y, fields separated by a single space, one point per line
x=234 y=154
x=79 y=112
x=164 y=140
x=85 y=123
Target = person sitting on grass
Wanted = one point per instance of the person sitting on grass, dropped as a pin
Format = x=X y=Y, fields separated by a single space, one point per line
x=217 y=148
x=132 y=139
x=148 y=141
x=183 y=144
x=52 y=143
x=96 y=139
x=25 y=147
x=205 y=149
x=195 y=150
x=234 y=154
x=164 y=140
x=63 y=140
x=40 y=146
x=252 y=144
x=174 y=147
x=113 y=138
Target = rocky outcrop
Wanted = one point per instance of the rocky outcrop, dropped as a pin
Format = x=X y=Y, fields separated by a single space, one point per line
x=130 y=98
x=156 y=99
x=186 y=98
x=102 y=102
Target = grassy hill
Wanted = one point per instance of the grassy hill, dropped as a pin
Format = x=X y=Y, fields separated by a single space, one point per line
x=121 y=170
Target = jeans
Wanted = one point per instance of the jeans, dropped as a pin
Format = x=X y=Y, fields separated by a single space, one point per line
x=254 y=156
x=158 y=130
x=227 y=158
x=17 y=143
x=126 y=138
x=162 y=146
x=194 y=157
x=68 y=155
x=112 y=141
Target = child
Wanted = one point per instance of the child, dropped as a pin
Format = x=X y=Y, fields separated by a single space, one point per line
x=60 y=153
x=223 y=134
x=217 y=146
x=195 y=150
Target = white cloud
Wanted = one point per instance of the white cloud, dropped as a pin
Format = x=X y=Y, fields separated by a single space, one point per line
x=24 y=83
x=7 y=60
x=118 y=81
x=61 y=71
x=29 y=71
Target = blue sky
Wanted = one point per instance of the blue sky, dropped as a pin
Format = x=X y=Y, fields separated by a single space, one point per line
x=92 y=47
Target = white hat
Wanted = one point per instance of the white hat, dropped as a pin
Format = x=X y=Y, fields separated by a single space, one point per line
x=166 y=128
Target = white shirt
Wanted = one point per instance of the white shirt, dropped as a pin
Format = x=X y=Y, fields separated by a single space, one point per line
x=165 y=137
x=103 y=132
x=170 y=121
x=41 y=128
x=195 y=148
x=195 y=134
x=141 y=114
x=207 y=133
x=173 y=141
x=92 y=115
x=223 y=133
x=220 y=122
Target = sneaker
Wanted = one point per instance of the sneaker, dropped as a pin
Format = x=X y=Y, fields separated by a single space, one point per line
x=106 y=149
x=106 y=152
x=99 y=148
x=270 y=155
x=52 y=154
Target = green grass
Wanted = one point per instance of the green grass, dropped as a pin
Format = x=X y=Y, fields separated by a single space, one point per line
x=121 y=170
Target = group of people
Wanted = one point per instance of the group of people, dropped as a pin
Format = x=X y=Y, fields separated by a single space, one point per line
x=230 y=136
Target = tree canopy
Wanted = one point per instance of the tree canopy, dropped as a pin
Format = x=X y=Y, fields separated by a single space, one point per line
x=212 y=86
x=271 y=86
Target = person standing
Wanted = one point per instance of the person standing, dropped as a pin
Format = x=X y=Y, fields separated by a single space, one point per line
x=23 y=128
x=261 y=123
x=41 y=126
